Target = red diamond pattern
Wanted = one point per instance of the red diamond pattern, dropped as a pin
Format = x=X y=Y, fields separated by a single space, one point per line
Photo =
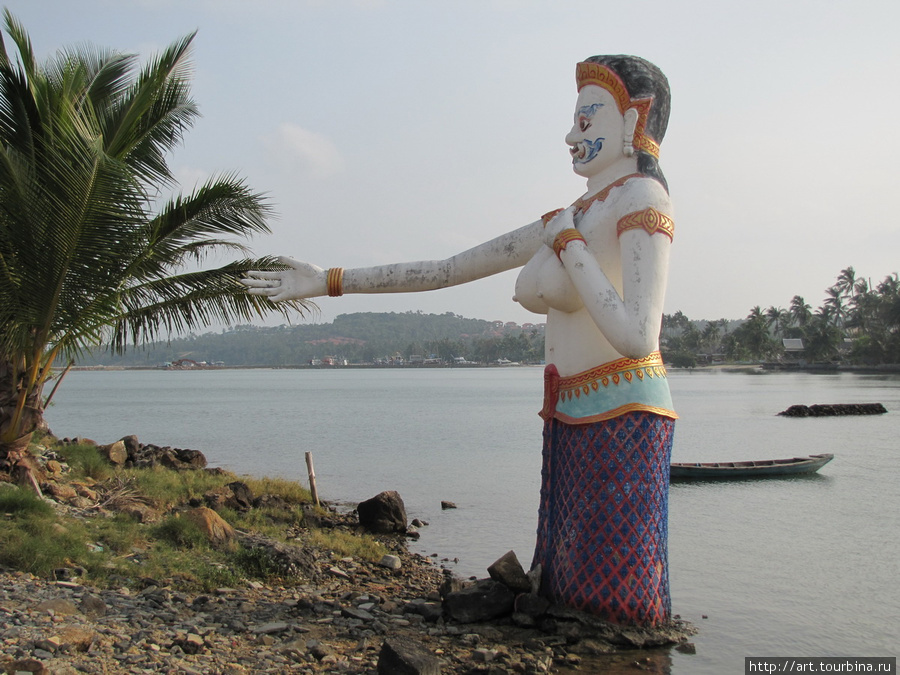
x=603 y=519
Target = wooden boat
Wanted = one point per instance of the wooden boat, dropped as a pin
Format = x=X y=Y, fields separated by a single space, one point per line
x=739 y=470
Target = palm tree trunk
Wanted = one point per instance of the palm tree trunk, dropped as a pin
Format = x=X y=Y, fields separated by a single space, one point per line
x=17 y=424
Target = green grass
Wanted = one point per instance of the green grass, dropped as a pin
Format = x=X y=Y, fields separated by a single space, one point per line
x=167 y=488
x=181 y=533
x=117 y=534
x=115 y=548
x=15 y=501
x=86 y=461
x=255 y=563
x=343 y=544
x=32 y=540
x=290 y=491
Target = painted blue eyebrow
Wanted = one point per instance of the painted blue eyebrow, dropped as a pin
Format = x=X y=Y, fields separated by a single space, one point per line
x=590 y=110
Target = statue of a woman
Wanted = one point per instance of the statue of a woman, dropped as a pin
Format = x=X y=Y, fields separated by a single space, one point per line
x=598 y=271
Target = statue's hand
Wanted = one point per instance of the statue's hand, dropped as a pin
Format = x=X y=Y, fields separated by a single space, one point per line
x=302 y=280
x=561 y=221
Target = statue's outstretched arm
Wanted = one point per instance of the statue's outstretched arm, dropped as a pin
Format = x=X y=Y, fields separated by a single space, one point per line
x=303 y=280
x=630 y=320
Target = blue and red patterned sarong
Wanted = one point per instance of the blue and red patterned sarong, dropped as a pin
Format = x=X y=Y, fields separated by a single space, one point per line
x=602 y=535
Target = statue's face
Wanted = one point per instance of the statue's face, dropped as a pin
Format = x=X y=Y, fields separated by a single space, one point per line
x=596 y=138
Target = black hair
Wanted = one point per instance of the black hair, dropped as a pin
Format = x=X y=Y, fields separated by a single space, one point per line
x=643 y=80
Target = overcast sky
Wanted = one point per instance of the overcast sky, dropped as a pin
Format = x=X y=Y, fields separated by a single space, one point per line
x=391 y=130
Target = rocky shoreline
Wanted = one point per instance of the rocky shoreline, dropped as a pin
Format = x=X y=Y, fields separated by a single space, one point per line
x=403 y=615
x=353 y=624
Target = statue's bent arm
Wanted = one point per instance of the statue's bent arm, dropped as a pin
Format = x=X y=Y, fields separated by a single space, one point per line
x=630 y=321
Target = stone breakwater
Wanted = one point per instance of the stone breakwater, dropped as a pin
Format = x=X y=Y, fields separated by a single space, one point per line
x=358 y=618
x=834 y=410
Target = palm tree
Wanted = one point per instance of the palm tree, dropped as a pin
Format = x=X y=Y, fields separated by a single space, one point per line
x=821 y=337
x=711 y=336
x=753 y=335
x=833 y=308
x=800 y=311
x=846 y=281
x=89 y=253
x=777 y=319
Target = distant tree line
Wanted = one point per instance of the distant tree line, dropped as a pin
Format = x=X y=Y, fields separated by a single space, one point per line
x=858 y=323
x=365 y=337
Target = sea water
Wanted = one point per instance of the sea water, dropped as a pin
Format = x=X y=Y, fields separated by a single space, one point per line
x=805 y=566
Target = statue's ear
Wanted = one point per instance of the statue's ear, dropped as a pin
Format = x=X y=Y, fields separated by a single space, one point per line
x=631 y=118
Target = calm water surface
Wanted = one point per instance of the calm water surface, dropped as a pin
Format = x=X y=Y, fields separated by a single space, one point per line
x=787 y=567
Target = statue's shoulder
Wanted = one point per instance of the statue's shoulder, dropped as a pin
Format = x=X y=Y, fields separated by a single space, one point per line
x=643 y=192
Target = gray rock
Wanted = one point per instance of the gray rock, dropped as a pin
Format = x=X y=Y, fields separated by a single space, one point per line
x=405 y=657
x=91 y=605
x=385 y=513
x=355 y=613
x=269 y=628
x=484 y=600
x=392 y=562
x=531 y=605
x=430 y=611
x=534 y=576
x=451 y=585
x=507 y=570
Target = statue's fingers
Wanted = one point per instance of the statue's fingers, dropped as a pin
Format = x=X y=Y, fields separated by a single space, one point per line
x=259 y=283
x=260 y=274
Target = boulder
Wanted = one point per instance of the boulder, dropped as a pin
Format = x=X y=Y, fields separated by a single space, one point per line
x=509 y=571
x=132 y=446
x=235 y=496
x=532 y=605
x=150 y=455
x=430 y=611
x=451 y=584
x=115 y=453
x=211 y=524
x=401 y=656
x=484 y=600
x=384 y=513
x=181 y=459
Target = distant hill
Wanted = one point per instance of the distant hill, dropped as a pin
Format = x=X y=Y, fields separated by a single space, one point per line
x=365 y=337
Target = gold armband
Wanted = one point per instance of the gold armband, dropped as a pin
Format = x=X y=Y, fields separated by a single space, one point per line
x=650 y=220
x=564 y=238
x=334 y=281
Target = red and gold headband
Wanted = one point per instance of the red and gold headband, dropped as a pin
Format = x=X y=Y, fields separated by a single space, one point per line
x=594 y=73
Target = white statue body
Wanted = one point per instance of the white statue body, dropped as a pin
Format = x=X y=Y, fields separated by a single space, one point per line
x=598 y=271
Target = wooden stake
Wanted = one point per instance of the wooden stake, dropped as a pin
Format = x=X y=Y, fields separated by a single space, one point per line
x=312 y=478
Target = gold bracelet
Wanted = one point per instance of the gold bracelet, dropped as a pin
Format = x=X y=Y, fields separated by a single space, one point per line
x=564 y=238
x=334 y=282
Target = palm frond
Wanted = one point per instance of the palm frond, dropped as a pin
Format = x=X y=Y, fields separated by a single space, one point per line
x=196 y=299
